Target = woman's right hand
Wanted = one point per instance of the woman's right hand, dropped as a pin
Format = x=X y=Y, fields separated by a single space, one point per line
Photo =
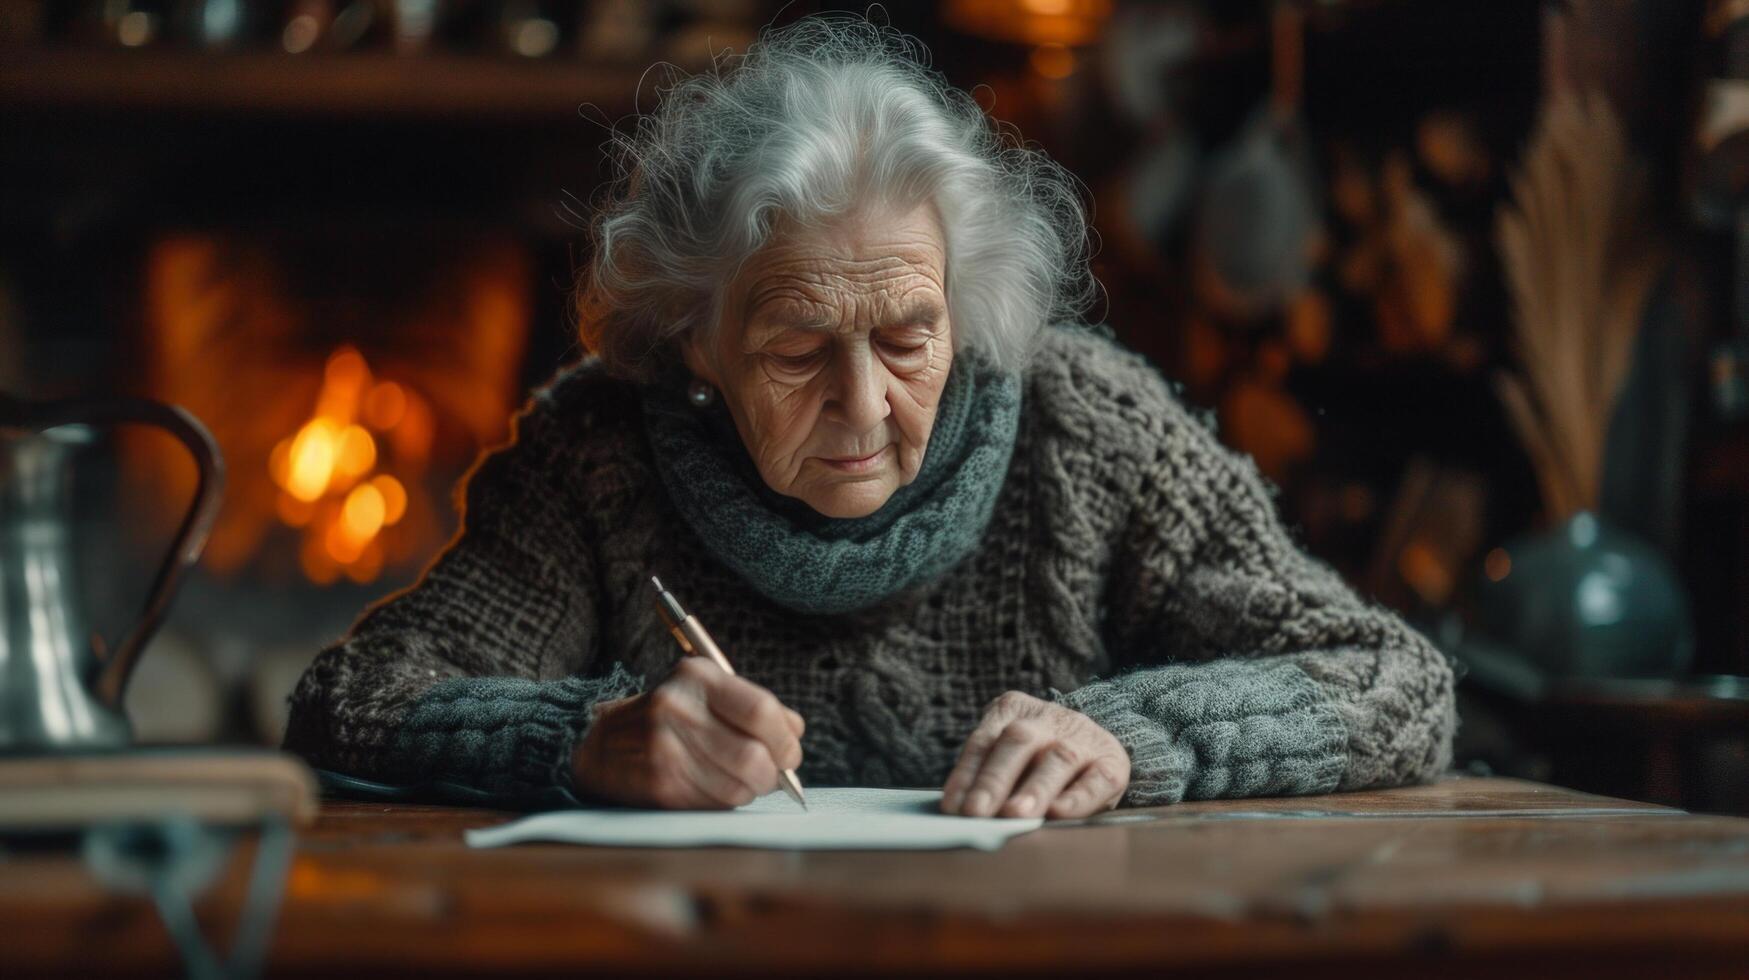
x=701 y=740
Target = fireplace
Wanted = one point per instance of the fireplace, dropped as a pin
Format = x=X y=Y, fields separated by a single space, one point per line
x=345 y=389
x=353 y=349
x=350 y=376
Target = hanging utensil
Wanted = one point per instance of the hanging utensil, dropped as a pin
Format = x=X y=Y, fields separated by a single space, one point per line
x=1259 y=215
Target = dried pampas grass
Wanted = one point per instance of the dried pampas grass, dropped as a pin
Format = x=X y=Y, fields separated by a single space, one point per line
x=1580 y=262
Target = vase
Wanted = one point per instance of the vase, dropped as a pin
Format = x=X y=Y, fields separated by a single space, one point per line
x=1586 y=600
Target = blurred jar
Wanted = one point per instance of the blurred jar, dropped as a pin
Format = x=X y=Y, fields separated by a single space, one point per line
x=528 y=28
x=217 y=23
x=121 y=23
x=406 y=26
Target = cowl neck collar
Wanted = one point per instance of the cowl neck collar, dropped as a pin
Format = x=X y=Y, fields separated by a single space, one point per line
x=812 y=563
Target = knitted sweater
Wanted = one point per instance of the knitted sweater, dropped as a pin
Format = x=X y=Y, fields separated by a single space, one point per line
x=1134 y=570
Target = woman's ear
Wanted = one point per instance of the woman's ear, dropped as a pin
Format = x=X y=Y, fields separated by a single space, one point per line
x=696 y=361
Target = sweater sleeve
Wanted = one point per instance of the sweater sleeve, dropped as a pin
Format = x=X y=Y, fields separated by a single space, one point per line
x=479 y=675
x=1256 y=670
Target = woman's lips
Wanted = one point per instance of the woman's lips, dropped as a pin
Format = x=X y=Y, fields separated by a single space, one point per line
x=861 y=465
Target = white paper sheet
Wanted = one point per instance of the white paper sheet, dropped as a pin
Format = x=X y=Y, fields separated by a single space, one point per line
x=837 y=818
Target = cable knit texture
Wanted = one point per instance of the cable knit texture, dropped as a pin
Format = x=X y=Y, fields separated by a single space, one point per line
x=1130 y=560
x=510 y=737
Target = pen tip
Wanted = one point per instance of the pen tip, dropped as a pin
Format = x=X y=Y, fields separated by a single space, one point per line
x=657 y=583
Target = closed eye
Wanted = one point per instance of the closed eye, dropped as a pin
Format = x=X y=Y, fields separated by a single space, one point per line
x=798 y=360
x=905 y=340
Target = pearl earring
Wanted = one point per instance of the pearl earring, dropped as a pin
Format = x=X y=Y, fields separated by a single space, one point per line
x=700 y=394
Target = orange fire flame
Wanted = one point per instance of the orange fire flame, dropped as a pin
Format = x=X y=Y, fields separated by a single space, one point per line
x=327 y=471
x=304 y=422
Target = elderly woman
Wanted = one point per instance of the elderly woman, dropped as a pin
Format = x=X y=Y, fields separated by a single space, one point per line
x=831 y=401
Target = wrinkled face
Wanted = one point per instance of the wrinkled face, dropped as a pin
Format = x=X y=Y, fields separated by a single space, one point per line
x=832 y=354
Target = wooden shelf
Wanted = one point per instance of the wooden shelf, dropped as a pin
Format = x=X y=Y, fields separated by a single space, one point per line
x=437 y=84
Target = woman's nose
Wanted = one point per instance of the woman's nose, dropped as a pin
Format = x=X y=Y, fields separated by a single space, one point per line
x=861 y=391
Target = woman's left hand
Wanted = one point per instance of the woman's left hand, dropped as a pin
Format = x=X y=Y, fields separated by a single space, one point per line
x=1030 y=757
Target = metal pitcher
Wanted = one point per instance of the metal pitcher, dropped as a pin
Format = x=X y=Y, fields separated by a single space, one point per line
x=58 y=692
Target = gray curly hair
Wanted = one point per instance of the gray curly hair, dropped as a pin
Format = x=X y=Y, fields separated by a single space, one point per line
x=814 y=120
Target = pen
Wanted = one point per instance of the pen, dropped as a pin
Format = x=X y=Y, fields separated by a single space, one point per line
x=691 y=635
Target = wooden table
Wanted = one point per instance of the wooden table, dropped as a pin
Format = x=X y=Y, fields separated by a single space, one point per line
x=1470 y=876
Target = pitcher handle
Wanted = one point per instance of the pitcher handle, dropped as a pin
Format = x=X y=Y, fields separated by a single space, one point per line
x=191 y=536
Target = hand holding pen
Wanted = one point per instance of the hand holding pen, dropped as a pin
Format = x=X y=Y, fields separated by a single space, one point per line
x=702 y=739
